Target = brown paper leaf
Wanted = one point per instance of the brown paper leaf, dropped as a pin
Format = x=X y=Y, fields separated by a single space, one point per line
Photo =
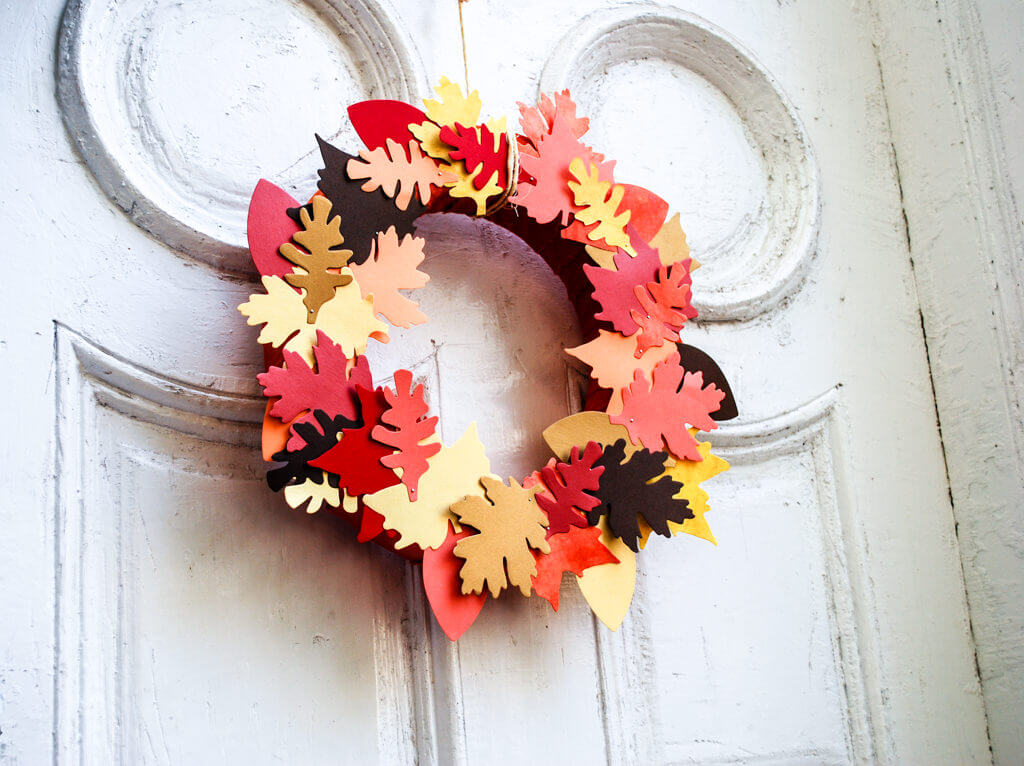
x=321 y=237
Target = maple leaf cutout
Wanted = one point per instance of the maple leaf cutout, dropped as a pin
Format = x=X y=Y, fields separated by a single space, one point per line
x=509 y=525
x=615 y=290
x=536 y=121
x=664 y=307
x=452 y=107
x=548 y=196
x=394 y=170
x=347 y=319
x=410 y=429
x=598 y=201
x=321 y=237
x=657 y=412
x=392 y=266
x=634 y=488
x=612 y=359
x=568 y=484
x=573 y=551
x=476 y=146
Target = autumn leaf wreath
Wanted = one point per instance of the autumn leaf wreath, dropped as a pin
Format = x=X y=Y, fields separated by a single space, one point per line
x=334 y=270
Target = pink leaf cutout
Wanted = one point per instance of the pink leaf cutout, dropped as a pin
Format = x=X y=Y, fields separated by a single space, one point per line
x=406 y=415
x=661 y=410
x=614 y=290
x=393 y=267
x=269 y=227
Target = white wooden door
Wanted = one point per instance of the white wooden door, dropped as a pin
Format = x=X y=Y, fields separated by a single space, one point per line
x=160 y=605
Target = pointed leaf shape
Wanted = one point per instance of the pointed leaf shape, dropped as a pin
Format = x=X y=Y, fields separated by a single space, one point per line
x=611 y=356
x=608 y=588
x=269 y=227
x=693 y=359
x=377 y=120
x=454 y=610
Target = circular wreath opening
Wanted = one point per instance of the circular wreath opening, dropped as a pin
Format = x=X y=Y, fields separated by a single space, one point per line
x=336 y=273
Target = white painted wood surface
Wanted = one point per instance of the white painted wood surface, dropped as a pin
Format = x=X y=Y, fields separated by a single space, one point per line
x=159 y=605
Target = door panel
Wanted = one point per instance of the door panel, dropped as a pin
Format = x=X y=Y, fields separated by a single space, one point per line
x=169 y=609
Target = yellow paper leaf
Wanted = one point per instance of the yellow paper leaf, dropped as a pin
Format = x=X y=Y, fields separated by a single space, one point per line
x=599 y=201
x=463 y=187
x=608 y=588
x=452 y=474
x=611 y=356
x=670 y=242
x=347 y=318
x=317 y=494
x=691 y=473
x=453 y=107
x=576 y=430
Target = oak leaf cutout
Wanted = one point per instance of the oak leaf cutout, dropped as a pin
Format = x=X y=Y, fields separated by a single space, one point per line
x=574 y=550
x=658 y=412
x=611 y=356
x=321 y=238
x=316 y=493
x=477 y=146
x=392 y=266
x=568 y=484
x=664 y=307
x=634 y=488
x=399 y=171
x=347 y=319
x=509 y=524
x=409 y=433
x=615 y=290
x=597 y=201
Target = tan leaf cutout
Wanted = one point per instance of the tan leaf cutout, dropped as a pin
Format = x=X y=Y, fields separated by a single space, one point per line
x=321 y=237
x=392 y=266
x=393 y=170
x=509 y=526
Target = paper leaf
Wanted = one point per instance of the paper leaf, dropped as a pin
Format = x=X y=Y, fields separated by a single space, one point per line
x=401 y=169
x=364 y=213
x=318 y=436
x=574 y=551
x=454 y=610
x=451 y=106
x=536 y=121
x=299 y=388
x=452 y=473
x=274 y=436
x=692 y=359
x=568 y=484
x=410 y=432
x=634 y=488
x=664 y=307
x=322 y=240
x=549 y=196
x=583 y=427
x=393 y=267
x=509 y=524
x=614 y=290
x=269 y=227
x=598 y=202
x=612 y=359
x=647 y=213
x=476 y=146
x=467 y=187
x=690 y=473
x=608 y=588
x=377 y=120
x=355 y=459
x=670 y=242
x=346 y=318
x=657 y=412
x=317 y=493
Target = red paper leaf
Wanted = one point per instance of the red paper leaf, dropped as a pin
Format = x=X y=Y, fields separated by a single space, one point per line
x=549 y=195
x=566 y=483
x=380 y=119
x=269 y=227
x=664 y=306
x=301 y=390
x=614 y=289
x=657 y=413
x=572 y=551
x=454 y=611
x=355 y=459
x=647 y=212
x=476 y=150
x=406 y=415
